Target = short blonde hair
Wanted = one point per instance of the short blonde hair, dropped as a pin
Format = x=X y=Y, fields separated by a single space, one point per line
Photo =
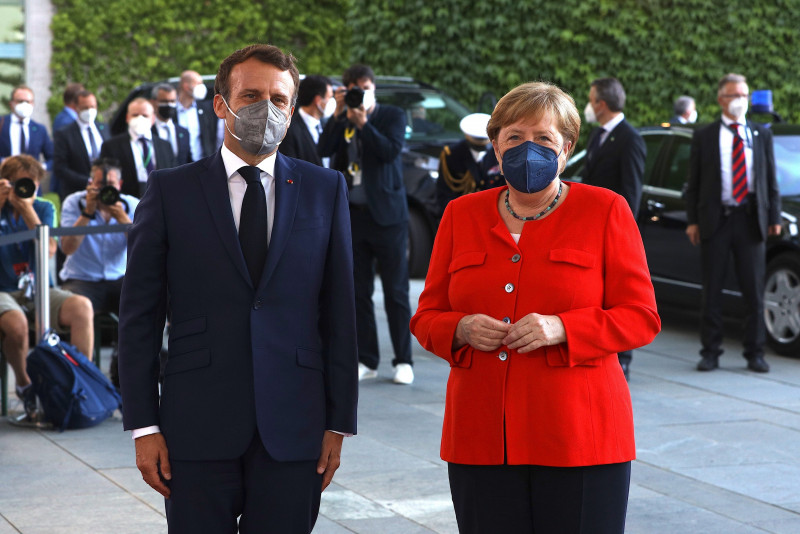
x=533 y=100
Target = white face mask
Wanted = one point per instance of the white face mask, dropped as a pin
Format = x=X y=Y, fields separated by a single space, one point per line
x=139 y=125
x=588 y=113
x=369 y=99
x=330 y=108
x=692 y=117
x=738 y=107
x=88 y=115
x=200 y=91
x=24 y=110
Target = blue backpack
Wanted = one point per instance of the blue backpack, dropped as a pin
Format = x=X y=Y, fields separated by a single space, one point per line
x=72 y=390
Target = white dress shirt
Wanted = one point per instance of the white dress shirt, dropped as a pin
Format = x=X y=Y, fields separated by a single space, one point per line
x=610 y=125
x=726 y=154
x=189 y=119
x=139 y=156
x=312 y=123
x=86 y=131
x=166 y=131
x=13 y=132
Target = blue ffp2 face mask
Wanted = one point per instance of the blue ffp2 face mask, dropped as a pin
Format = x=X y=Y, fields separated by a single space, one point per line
x=529 y=168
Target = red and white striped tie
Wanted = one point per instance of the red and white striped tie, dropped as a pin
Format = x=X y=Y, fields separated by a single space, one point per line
x=738 y=166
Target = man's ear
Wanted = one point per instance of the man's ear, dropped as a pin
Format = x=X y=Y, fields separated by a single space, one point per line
x=220 y=109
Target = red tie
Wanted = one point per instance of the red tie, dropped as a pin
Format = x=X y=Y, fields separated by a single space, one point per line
x=738 y=166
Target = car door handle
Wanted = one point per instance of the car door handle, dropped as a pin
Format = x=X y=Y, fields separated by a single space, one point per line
x=655 y=205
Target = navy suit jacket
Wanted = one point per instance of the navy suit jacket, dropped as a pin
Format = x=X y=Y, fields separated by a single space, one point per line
x=63 y=118
x=382 y=139
x=279 y=359
x=298 y=142
x=704 y=189
x=618 y=164
x=71 y=163
x=184 y=149
x=39 y=143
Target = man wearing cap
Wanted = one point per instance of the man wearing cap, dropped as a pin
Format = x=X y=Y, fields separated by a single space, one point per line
x=469 y=165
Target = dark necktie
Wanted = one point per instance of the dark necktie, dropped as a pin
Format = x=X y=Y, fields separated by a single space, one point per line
x=92 y=142
x=594 y=144
x=738 y=167
x=147 y=155
x=22 y=143
x=253 y=223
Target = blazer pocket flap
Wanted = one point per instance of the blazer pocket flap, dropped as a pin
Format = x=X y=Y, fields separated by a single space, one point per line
x=573 y=256
x=305 y=223
x=187 y=361
x=466 y=259
x=309 y=358
x=187 y=328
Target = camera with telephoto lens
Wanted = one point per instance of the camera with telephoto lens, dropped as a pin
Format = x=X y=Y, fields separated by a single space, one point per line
x=24 y=188
x=108 y=195
x=354 y=97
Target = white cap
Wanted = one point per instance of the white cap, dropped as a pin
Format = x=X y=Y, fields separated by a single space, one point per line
x=474 y=125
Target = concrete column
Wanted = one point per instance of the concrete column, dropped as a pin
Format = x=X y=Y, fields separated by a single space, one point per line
x=38 y=51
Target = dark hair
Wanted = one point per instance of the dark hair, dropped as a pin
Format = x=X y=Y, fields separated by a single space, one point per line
x=682 y=104
x=72 y=92
x=271 y=55
x=18 y=88
x=355 y=73
x=310 y=87
x=108 y=163
x=610 y=91
x=83 y=94
x=167 y=88
x=729 y=78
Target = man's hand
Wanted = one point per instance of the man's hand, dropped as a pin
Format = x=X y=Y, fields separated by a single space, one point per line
x=91 y=198
x=480 y=332
x=24 y=206
x=357 y=116
x=693 y=232
x=153 y=462
x=774 y=229
x=534 y=331
x=338 y=95
x=330 y=457
x=5 y=189
x=118 y=212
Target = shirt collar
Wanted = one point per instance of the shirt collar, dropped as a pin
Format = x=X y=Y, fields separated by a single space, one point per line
x=311 y=122
x=727 y=122
x=161 y=123
x=233 y=163
x=610 y=125
x=148 y=135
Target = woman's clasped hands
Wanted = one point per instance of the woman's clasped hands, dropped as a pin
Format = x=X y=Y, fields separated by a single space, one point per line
x=486 y=333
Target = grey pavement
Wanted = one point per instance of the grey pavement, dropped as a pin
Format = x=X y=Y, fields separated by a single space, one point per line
x=717 y=452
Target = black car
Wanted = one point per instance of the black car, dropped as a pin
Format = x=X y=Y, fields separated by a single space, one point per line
x=675 y=263
x=432 y=119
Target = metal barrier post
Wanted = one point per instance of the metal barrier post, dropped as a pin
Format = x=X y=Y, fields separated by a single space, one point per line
x=42 y=280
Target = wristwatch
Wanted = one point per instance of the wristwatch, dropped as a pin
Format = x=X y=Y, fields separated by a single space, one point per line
x=87 y=215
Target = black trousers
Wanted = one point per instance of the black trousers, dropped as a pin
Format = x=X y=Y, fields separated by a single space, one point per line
x=267 y=496
x=104 y=294
x=737 y=238
x=387 y=245
x=529 y=499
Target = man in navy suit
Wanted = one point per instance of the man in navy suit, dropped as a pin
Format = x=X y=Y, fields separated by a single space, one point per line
x=261 y=381
x=366 y=139
x=303 y=135
x=196 y=114
x=164 y=98
x=21 y=135
x=77 y=145
x=69 y=113
x=615 y=154
x=732 y=204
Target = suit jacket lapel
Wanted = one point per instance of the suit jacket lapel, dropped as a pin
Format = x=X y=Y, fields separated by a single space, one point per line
x=214 y=182
x=287 y=191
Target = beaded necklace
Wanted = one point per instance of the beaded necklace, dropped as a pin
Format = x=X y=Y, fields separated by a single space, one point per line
x=541 y=213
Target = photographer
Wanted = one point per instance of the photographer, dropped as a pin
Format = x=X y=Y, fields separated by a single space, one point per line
x=365 y=140
x=20 y=210
x=95 y=263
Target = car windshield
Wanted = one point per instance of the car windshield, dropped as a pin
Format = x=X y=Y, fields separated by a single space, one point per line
x=787 y=161
x=430 y=115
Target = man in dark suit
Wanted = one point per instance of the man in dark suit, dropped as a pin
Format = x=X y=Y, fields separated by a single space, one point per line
x=164 y=98
x=366 y=138
x=77 y=145
x=196 y=114
x=685 y=111
x=615 y=155
x=137 y=150
x=301 y=140
x=21 y=135
x=69 y=113
x=261 y=380
x=732 y=205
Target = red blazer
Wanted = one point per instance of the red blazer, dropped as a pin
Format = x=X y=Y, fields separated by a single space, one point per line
x=564 y=405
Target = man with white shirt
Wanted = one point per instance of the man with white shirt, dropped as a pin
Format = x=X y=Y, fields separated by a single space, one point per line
x=615 y=154
x=77 y=145
x=732 y=205
x=196 y=114
x=250 y=252
x=313 y=97
x=21 y=135
x=164 y=98
x=136 y=150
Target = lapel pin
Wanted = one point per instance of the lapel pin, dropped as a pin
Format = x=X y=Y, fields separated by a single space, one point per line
x=290 y=182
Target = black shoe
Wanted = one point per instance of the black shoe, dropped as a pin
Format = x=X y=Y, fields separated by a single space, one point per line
x=28 y=398
x=708 y=363
x=758 y=364
x=625 y=369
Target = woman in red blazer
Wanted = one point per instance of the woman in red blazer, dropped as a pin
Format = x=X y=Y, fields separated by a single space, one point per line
x=532 y=290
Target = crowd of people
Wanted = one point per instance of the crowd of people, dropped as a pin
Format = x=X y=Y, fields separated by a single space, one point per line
x=538 y=289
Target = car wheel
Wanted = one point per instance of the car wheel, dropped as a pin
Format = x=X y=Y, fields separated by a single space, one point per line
x=782 y=305
x=420 y=244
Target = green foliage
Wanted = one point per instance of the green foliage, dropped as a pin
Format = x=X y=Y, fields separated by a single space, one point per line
x=114 y=45
x=658 y=49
